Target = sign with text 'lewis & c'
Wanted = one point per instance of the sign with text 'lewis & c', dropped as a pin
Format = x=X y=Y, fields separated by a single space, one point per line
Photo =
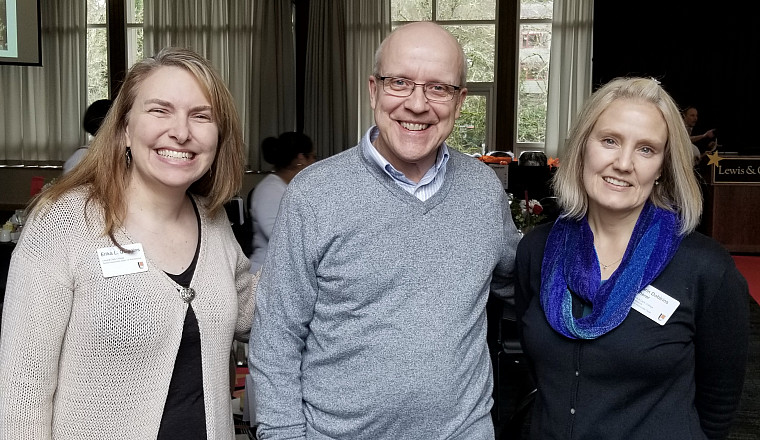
x=737 y=170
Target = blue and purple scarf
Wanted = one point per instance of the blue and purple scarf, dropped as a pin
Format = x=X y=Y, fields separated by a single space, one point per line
x=570 y=265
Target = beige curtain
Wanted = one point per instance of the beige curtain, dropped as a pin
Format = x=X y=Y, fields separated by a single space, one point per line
x=367 y=24
x=250 y=43
x=342 y=39
x=570 y=69
x=42 y=107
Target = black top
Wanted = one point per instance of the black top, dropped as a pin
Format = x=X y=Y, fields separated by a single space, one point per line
x=184 y=412
x=681 y=380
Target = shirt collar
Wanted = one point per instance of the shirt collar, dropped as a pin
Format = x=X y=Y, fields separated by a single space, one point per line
x=442 y=157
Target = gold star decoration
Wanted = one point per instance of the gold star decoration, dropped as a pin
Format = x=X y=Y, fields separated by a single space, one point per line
x=714 y=158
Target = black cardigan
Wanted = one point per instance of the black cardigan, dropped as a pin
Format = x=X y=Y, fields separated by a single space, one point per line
x=641 y=380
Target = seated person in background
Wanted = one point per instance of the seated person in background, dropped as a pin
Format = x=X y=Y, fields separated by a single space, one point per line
x=289 y=153
x=690 y=117
x=93 y=117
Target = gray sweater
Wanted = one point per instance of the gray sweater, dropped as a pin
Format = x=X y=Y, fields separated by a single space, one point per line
x=370 y=319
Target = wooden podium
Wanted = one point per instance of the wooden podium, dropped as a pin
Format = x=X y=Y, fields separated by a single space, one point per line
x=732 y=202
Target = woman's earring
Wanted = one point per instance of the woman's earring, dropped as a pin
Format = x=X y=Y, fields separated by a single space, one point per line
x=128 y=157
x=656 y=182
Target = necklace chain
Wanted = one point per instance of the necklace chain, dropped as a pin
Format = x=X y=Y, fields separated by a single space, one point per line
x=607 y=266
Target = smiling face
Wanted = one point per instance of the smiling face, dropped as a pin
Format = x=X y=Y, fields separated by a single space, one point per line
x=412 y=128
x=171 y=131
x=623 y=157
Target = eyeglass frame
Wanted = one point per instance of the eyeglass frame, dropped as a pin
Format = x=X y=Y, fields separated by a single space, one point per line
x=382 y=79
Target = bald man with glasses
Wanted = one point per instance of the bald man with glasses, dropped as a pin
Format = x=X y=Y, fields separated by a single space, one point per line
x=370 y=320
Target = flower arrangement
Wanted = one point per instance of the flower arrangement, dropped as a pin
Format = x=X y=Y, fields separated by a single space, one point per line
x=526 y=213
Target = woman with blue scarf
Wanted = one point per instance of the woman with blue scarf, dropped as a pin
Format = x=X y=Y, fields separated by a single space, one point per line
x=635 y=325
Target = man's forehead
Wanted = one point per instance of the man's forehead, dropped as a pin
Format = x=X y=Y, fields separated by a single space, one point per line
x=423 y=35
x=404 y=57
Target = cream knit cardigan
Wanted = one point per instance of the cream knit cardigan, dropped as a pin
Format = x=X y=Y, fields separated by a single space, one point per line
x=87 y=357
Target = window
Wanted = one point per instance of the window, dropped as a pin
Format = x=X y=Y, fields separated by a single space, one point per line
x=474 y=23
x=98 y=28
x=535 y=26
x=97 y=51
x=134 y=31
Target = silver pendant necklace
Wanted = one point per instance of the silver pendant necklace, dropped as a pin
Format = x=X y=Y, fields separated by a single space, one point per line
x=607 y=266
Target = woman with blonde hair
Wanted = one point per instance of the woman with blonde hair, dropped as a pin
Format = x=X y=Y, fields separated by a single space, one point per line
x=635 y=325
x=127 y=286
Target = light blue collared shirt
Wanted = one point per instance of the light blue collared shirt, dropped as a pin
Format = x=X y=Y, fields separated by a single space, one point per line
x=430 y=182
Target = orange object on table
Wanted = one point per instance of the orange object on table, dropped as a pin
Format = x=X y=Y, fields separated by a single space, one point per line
x=494 y=159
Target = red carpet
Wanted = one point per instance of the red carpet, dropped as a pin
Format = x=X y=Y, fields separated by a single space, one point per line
x=749 y=266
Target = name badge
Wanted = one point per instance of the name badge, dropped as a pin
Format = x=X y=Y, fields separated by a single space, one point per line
x=115 y=262
x=655 y=304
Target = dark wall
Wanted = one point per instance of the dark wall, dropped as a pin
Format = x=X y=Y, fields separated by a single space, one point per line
x=702 y=52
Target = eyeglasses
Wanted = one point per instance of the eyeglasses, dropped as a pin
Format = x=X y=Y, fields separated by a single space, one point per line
x=403 y=87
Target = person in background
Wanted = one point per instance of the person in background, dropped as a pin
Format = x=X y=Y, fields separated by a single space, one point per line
x=370 y=319
x=690 y=117
x=127 y=285
x=93 y=118
x=634 y=325
x=289 y=153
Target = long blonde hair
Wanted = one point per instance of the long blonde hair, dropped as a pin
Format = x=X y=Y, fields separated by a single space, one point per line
x=103 y=171
x=678 y=189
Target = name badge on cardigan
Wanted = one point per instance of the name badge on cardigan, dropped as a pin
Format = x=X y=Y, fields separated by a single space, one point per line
x=115 y=262
x=655 y=304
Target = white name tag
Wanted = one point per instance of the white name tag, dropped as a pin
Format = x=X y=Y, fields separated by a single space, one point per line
x=655 y=304
x=115 y=262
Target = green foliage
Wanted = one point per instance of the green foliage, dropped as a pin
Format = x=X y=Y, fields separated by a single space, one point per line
x=138 y=11
x=3 y=26
x=532 y=91
x=479 y=44
x=469 y=132
x=466 y=10
x=411 y=10
x=531 y=119
x=97 y=64
x=97 y=51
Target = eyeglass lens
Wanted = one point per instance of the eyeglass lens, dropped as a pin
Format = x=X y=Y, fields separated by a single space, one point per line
x=403 y=87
